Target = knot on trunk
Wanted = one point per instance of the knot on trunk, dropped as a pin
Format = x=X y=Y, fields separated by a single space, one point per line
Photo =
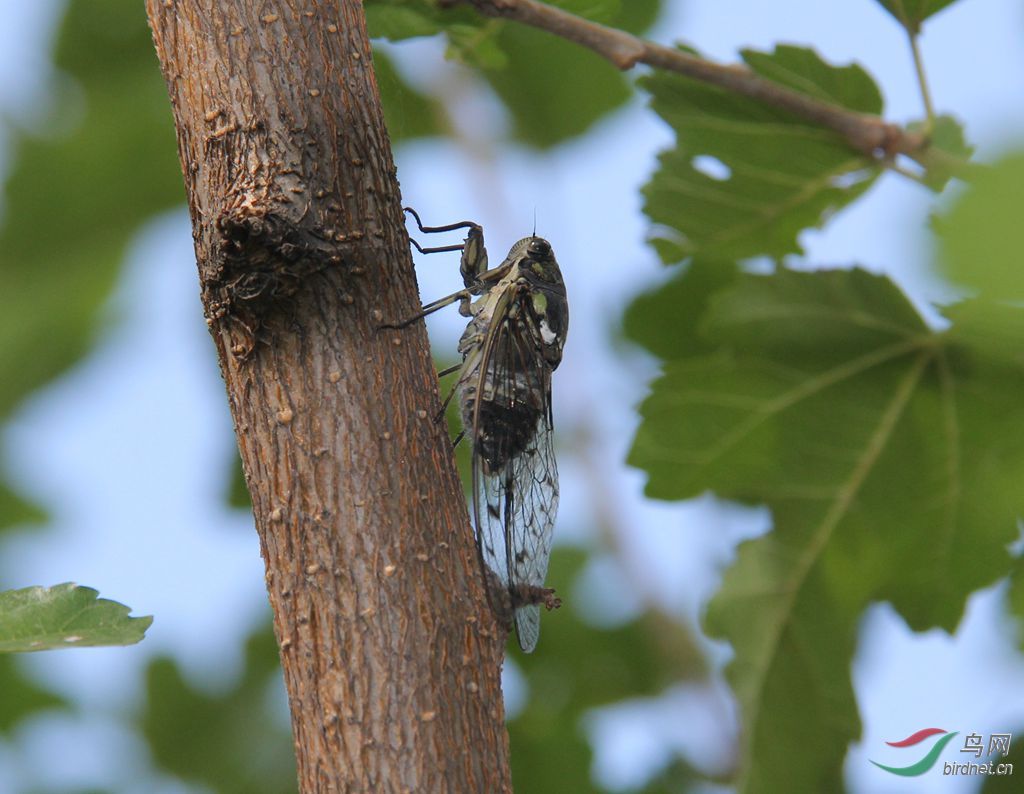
x=264 y=259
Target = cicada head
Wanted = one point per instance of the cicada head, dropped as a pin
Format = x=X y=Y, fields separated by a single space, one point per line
x=545 y=294
x=536 y=263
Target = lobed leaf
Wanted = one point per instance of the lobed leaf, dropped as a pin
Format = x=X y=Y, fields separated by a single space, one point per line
x=64 y=616
x=890 y=455
x=778 y=174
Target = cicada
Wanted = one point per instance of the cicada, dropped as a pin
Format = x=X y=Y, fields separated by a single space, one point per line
x=513 y=343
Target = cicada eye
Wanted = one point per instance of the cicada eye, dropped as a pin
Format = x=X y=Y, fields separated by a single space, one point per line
x=539 y=247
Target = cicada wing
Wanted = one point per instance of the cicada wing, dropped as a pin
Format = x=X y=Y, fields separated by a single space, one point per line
x=532 y=525
x=515 y=479
x=489 y=518
x=484 y=368
x=527 y=620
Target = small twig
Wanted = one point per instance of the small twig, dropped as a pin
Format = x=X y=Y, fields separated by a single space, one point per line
x=906 y=173
x=922 y=81
x=868 y=134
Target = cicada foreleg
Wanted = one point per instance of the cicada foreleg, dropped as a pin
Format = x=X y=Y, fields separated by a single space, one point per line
x=473 y=262
x=472 y=265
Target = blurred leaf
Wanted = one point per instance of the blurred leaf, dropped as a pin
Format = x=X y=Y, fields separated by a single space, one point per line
x=74 y=200
x=555 y=90
x=402 y=19
x=1015 y=600
x=232 y=742
x=616 y=663
x=637 y=16
x=21 y=697
x=546 y=111
x=777 y=174
x=578 y=667
x=891 y=457
x=477 y=44
x=678 y=777
x=911 y=13
x=238 y=490
x=408 y=113
x=552 y=89
x=77 y=193
x=948 y=150
x=1005 y=784
x=678 y=305
x=982 y=236
x=64 y=616
x=15 y=511
x=803 y=70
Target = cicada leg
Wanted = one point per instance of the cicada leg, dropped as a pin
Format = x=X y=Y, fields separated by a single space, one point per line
x=473 y=263
x=464 y=296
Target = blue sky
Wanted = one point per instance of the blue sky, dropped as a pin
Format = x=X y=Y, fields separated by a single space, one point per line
x=130 y=519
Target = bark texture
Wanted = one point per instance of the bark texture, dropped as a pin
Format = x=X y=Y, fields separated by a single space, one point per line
x=390 y=655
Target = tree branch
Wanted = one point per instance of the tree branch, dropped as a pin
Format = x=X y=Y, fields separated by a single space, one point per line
x=865 y=133
x=391 y=656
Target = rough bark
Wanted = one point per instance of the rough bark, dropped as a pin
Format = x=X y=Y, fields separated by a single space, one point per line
x=390 y=655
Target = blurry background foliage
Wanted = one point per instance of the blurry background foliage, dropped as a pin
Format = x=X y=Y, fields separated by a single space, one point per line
x=889 y=449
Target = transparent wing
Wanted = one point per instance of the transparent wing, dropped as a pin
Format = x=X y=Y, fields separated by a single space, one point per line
x=515 y=479
x=532 y=525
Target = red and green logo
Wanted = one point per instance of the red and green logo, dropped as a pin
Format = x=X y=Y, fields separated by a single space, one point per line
x=928 y=760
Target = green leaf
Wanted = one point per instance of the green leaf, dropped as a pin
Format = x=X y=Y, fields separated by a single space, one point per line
x=15 y=511
x=1015 y=599
x=64 y=616
x=948 y=151
x=408 y=113
x=1005 y=784
x=518 y=61
x=784 y=174
x=401 y=19
x=21 y=696
x=678 y=305
x=911 y=13
x=232 y=742
x=546 y=111
x=803 y=70
x=238 y=490
x=891 y=456
x=982 y=237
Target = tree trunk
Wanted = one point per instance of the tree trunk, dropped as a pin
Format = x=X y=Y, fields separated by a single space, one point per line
x=390 y=654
